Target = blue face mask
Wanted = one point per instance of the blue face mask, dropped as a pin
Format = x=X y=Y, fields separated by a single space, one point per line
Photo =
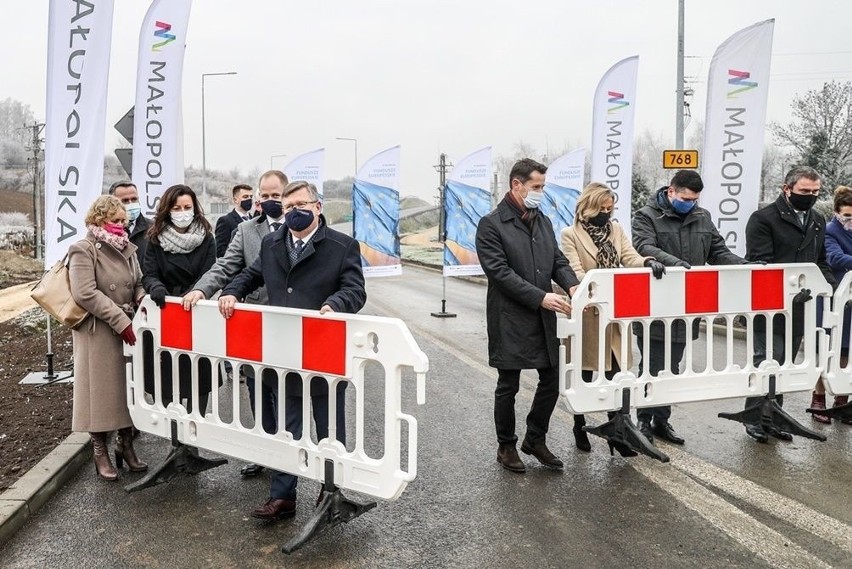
x=682 y=207
x=272 y=208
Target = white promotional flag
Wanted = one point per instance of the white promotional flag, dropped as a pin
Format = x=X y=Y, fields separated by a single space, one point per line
x=737 y=89
x=157 y=123
x=375 y=214
x=78 y=50
x=467 y=198
x=562 y=187
x=612 y=134
x=307 y=167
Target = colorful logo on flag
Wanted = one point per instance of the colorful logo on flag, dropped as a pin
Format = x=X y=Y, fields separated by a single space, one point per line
x=162 y=32
x=616 y=101
x=737 y=80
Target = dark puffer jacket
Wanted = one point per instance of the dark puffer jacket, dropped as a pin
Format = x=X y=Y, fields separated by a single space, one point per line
x=669 y=237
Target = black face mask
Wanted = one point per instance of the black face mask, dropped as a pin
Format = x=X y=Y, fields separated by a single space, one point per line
x=802 y=202
x=600 y=219
x=245 y=205
x=299 y=219
x=272 y=208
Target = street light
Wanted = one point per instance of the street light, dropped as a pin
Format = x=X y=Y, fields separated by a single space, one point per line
x=204 y=198
x=355 y=140
x=275 y=156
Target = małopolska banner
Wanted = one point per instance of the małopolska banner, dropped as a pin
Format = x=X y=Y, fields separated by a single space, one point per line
x=78 y=50
x=737 y=89
x=563 y=183
x=612 y=134
x=466 y=199
x=375 y=214
x=157 y=123
x=307 y=167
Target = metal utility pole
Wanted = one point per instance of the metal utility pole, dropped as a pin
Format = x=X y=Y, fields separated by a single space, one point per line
x=495 y=191
x=35 y=147
x=680 y=82
x=442 y=230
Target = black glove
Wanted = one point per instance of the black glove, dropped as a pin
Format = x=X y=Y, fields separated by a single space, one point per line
x=128 y=335
x=158 y=295
x=802 y=296
x=683 y=264
x=657 y=268
x=755 y=262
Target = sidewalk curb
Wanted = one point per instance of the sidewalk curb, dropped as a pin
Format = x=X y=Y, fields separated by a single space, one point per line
x=32 y=490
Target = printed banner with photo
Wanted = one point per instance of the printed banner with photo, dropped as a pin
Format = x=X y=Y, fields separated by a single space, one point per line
x=307 y=167
x=466 y=199
x=375 y=214
x=563 y=184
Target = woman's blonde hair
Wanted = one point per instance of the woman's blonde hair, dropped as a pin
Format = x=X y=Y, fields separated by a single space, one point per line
x=591 y=200
x=103 y=208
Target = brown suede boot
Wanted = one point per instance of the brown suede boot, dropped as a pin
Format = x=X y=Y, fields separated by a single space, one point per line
x=507 y=455
x=124 y=451
x=840 y=401
x=818 y=402
x=103 y=465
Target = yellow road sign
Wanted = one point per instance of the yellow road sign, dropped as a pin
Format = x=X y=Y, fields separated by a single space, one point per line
x=679 y=159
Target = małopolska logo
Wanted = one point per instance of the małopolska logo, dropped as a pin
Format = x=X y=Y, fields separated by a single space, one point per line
x=616 y=101
x=162 y=31
x=737 y=80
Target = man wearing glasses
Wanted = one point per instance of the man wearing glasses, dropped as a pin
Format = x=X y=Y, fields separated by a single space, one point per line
x=307 y=265
x=786 y=231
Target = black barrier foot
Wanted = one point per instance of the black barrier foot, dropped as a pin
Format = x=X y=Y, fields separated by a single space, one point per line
x=334 y=508
x=771 y=416
x=621 y=429
x=182 y=459
x=840 y=413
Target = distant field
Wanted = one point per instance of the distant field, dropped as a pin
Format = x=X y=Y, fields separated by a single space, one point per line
x=16 y=201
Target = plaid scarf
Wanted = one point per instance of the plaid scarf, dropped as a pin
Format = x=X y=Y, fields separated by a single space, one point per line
x=607 y=257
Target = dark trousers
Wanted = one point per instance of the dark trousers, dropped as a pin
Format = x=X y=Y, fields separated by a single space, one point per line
x=587 y=375
x=268 y=399
x=656 y=360
x=283 y=484
x=184 y=381
x=778 y=354
x=538 y=419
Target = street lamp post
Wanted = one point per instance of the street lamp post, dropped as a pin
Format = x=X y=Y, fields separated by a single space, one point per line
x=275 y=156
x=355 y=140
x=204 y=198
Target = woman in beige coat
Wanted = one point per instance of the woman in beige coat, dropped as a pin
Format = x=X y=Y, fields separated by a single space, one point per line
x=595 y=242
x=106 y=281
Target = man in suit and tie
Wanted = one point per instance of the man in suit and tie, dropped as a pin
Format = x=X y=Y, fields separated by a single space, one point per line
x=305 y=265
x=241 y=196
x=138 y=224
x=241 y=253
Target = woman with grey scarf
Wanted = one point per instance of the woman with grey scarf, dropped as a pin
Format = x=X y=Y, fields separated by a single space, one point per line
x=181 y=248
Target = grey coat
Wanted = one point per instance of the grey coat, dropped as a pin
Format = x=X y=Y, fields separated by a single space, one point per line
x=107 y=288
x=242 y=251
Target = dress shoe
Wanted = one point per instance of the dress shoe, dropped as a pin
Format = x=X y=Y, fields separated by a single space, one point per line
x=275 y=509
x=774 y=431
x=543 y=454
x=645 y=429
x=507 y=455
x=757 y=433
x=581 y=439
x=818 y=403
x=250 y=470
x=666 y=432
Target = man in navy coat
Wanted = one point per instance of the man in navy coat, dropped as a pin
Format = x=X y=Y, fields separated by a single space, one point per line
x=307 y=265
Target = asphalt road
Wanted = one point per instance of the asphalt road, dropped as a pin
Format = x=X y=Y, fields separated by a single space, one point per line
x=723 y=501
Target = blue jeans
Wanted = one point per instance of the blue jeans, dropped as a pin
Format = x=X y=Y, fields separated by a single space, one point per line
x=283 y=484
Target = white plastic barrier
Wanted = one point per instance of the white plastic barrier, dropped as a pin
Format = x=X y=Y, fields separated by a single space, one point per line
x=622 y=297
x=838 y=377
x=336 y=347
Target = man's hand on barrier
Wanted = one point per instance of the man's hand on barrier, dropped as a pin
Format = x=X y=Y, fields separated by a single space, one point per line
x=191 y=298
x=556 y=303
x=572 y=290
x=657 y=268
x=128 y=335
x=158 y=295
x=326 y=309
x=683 y=264
x=802 y=296
x=226 y=305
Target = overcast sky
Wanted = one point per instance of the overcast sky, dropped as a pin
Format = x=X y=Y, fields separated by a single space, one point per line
x=434 y=76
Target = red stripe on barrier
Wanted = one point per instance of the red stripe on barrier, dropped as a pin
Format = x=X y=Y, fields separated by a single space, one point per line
x=702 y=292
x=175 y=327
x=632 y=295
x=244 y=335
x=324 y=345
x=767 y=289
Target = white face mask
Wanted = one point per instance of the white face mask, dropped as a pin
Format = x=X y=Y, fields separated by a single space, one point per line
x=182 y=219
x=133 y=211
x=533 y=199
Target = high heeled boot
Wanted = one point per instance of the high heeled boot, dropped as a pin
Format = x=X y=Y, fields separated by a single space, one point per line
x=103 y=465
x=124 y=451
x=818 y=402
x=581 y=439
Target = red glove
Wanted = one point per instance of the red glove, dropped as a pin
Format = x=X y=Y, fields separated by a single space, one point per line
x=128 y=336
